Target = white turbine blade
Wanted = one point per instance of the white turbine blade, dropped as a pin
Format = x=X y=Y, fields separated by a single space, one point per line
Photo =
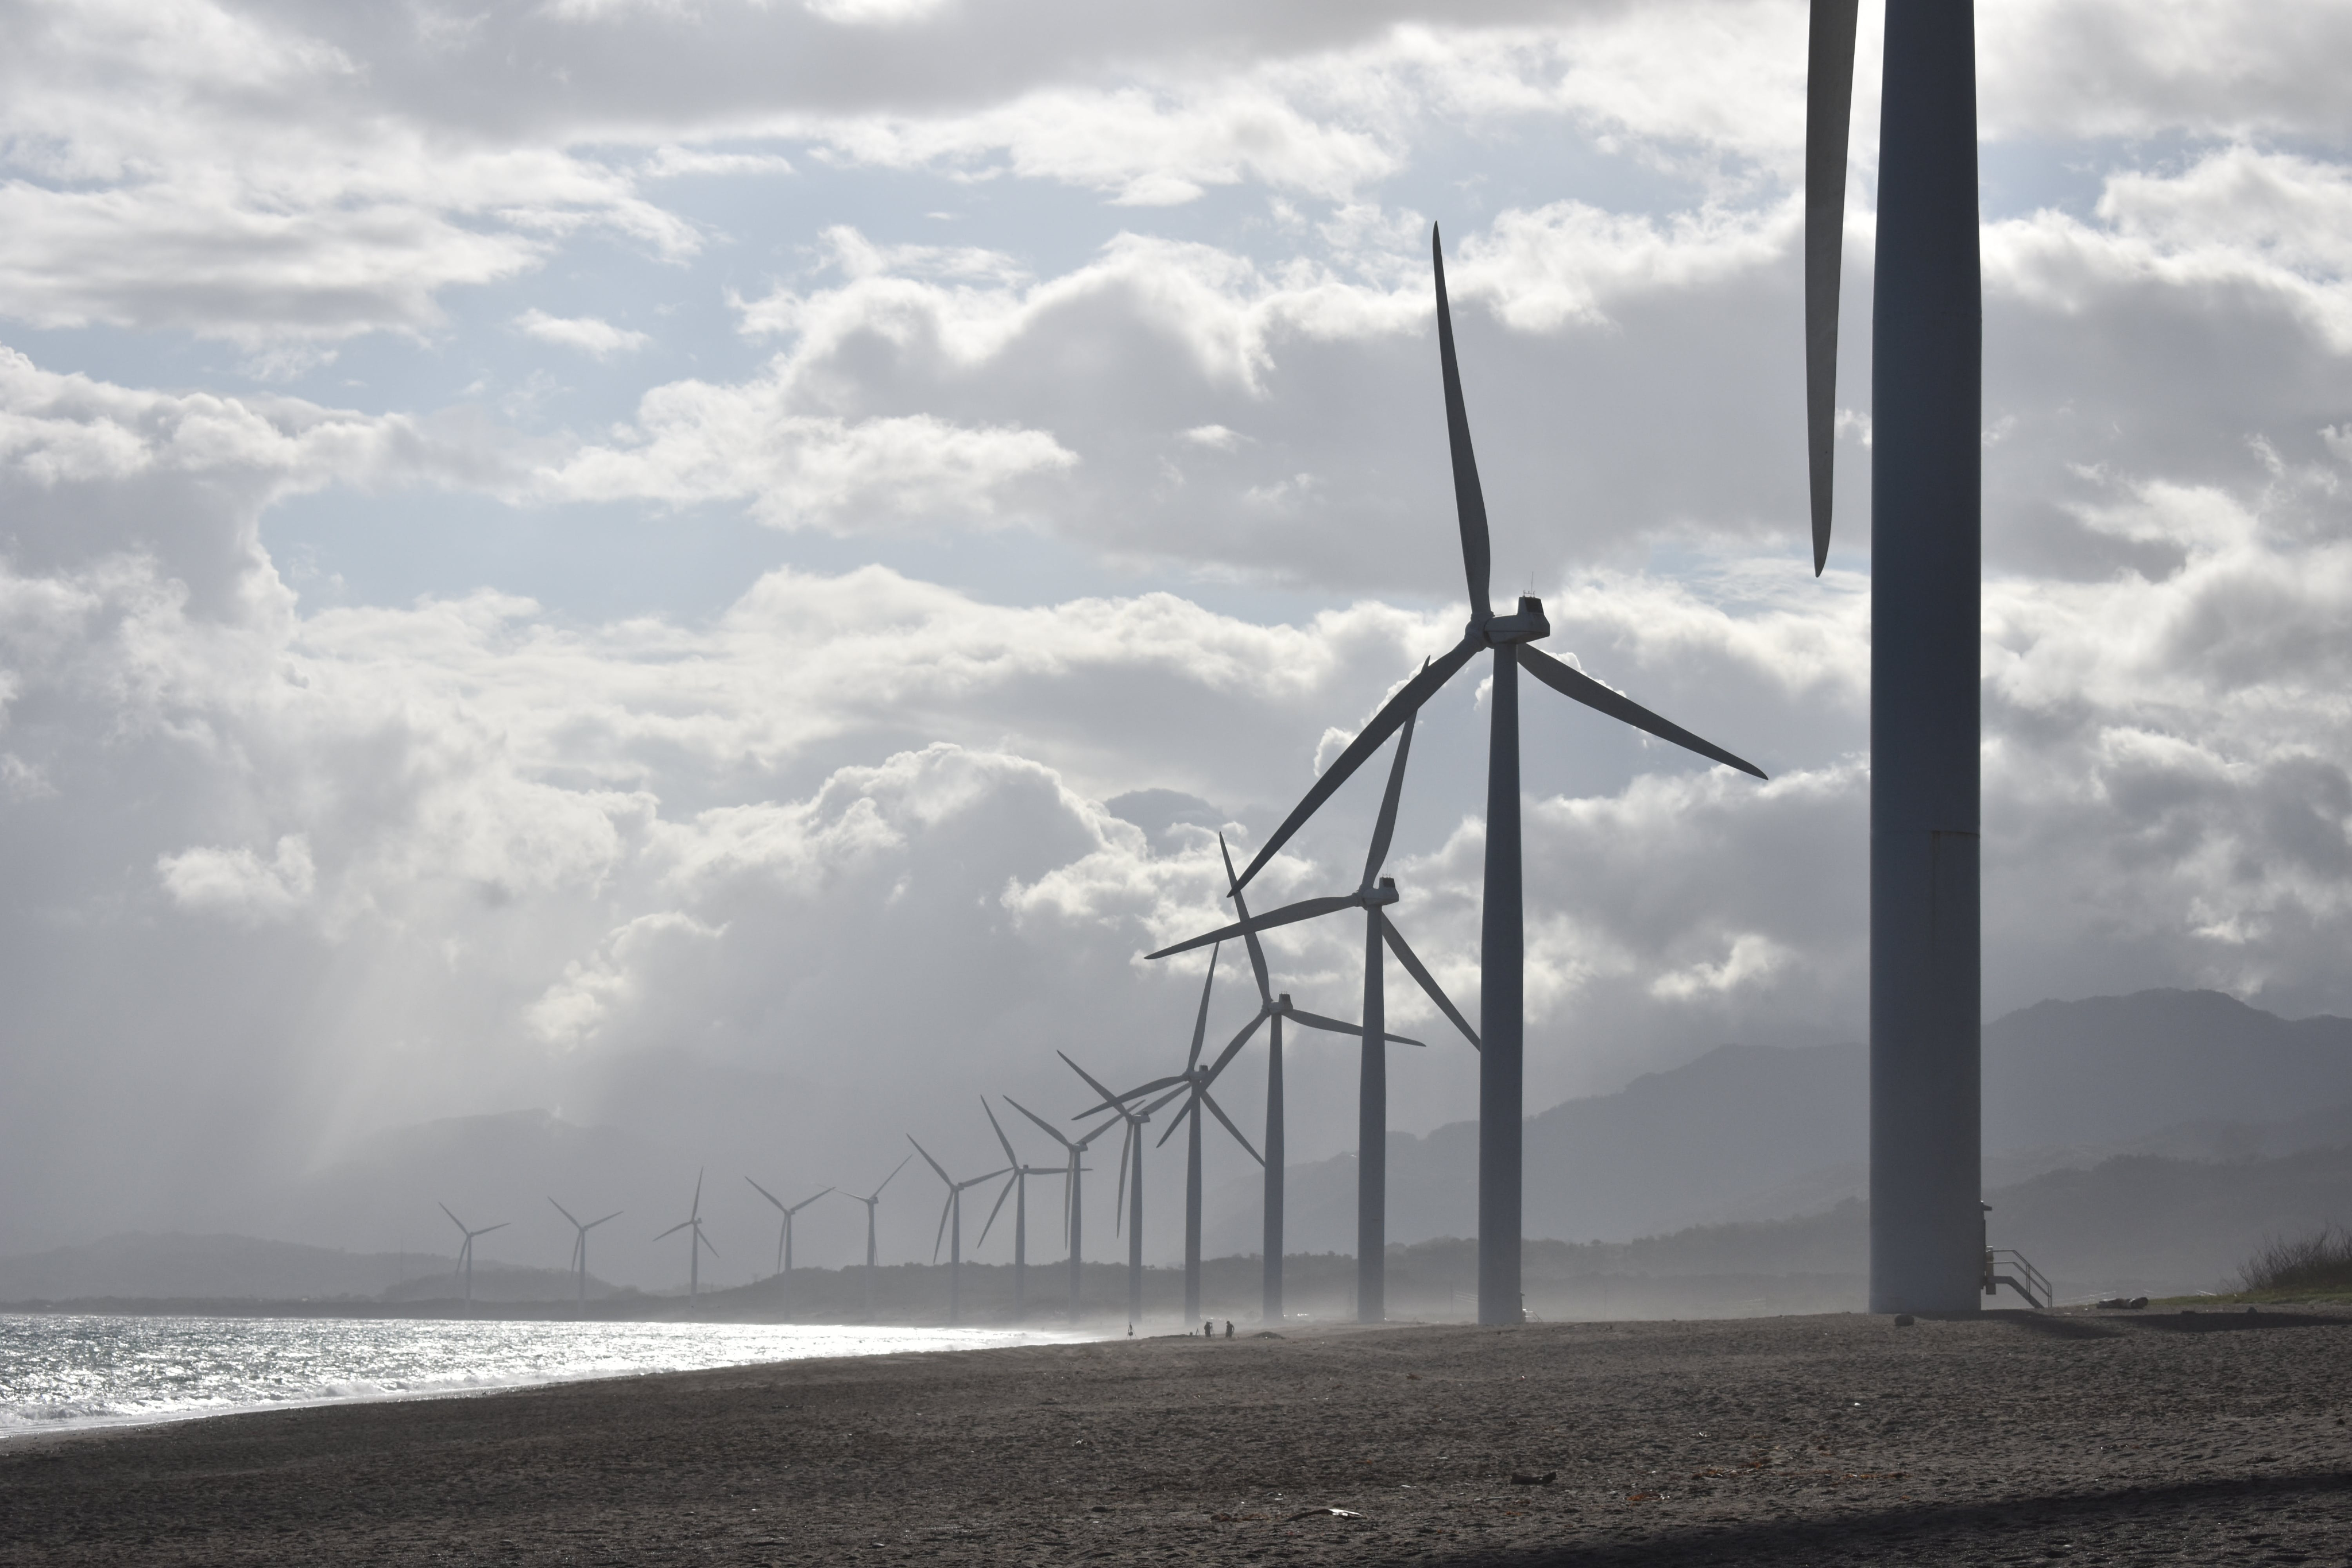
x=1092 y=1082
x=942 y=1236
x=806 y=1201
x=1249 y=927
x=1003 y=1193
x=486 y=1229
x=697 y=1210
x=1408 y=697
x=1578 y=686
x=1191 y=1107
x=1219 y=1112
x=1829 y=107
x=888 y=1179
x=1201 y=1023
x=1051 y=1131
x=1428 y=982
x=594 y=1223
x=932 y=1162
x=453 y=1218
x=1333 y=1026
x=563 y=1211
x=1384 y=828
x=1118 y=1198
x=1001 y=1138
x=763 y=1192
x=705 y=1240
x=674 y=1228
x=1289 y=913
x=1226 y=1057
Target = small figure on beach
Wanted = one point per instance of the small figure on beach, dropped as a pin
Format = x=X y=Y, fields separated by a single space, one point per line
x=1209 y=1329
x=1229 y=1327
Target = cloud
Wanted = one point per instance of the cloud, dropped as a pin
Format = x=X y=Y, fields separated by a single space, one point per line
x=239 y=883
x=586 y=333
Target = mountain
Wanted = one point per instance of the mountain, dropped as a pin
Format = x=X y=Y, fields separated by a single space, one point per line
x=1752 y=1133
x=209 y=1267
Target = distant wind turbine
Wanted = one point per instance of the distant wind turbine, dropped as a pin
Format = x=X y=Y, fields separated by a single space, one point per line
x=953 y=1209
x=872 y=1202
x=1073 y=1208
x=1018 y=1183
x=784 y=1235
x=466 y=1252
x=1130 y=1142
x=580 y=1245
x=693 y=1222
x=1372 y=895
x=1502 y=946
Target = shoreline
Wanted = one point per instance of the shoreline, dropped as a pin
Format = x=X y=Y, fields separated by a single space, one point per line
x=1840 y=1440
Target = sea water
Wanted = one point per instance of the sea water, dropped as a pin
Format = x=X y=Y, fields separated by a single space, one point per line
x=62 y=1371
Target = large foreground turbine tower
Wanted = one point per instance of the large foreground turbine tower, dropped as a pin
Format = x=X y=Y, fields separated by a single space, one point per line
x=1927 y=1237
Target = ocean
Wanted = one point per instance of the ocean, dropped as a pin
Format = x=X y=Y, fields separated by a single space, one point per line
x=63 y=1372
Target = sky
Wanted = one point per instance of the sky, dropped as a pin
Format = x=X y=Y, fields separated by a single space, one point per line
x=539 y=536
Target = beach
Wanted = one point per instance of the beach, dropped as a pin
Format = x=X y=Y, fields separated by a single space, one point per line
x=2129 y=1437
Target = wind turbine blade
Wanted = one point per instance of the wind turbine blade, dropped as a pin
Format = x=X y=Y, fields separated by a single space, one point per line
x=888 y=1179
x=1249 y=928
x=1190 y=1105
x=1151 y=1109
x=932 y=1162
x=594 y=1223
x=1305 y=909
x=1050 y=1130
x=1385 y=828
x=1414 y=966
x=1080 y=1147
x=770 y=1197
x=1118 y=1198
x=1469 y=503
x=1200 y=1022
x=674 y=1228
x=806 y=1201
x=453 y=1218
x=1219 y=1112
x=942 y=1234
x=975 y=1181
x=1829 y=113
x=1118 y=1102
x=1409 y=698
x=1001 y=1138
x=1316 y=1021
x=1234 y=1048
x=486 y=1229
x=1003 y=1193
x=563 y=1211
x=706 y=1241
x=696 y=1209
x=1584 y=688
x=1092 y=1082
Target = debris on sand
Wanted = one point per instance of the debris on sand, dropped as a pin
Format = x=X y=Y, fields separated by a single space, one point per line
x=1325 y=1514
x=1534 y=1478
x=2123 y=1303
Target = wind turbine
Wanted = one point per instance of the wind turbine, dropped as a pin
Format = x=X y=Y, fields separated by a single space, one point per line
x=1073 y=1210
x=466 y=1252
x=1130 y=1142
x=1019 y=1180
x=693 y=1222
x=580 y=1245
x=784 y=1235
x=871 y=1200
x=1926 y=590
x=953 y=1208
x=1372 y=895
x=1502 y=946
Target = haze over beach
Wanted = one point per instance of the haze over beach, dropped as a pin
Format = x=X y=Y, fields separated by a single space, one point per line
x=622 y=605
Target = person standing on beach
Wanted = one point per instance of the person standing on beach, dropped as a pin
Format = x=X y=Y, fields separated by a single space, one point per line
x=1229 y=1327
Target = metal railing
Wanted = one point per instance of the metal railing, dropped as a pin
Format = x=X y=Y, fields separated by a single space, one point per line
x=2025 y=1278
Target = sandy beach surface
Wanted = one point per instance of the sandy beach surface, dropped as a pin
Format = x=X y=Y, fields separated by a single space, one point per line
x=2122 y=1438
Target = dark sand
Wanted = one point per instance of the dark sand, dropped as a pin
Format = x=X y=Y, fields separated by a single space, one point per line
x=2149 y=1438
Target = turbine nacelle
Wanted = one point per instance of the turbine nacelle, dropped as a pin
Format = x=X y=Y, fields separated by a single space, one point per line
x=1527 y=626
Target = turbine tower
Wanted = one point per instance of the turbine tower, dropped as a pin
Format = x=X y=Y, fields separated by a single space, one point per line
x=1019 y=1182
x=1502 y=948
x=952 y=1209
x=1073 y=1208
x=1926 y=614
x=1371 y=895
x=693 y=1221
x=871 y=1201
x=466 y=1252
x=580 y=1246
x=1130 y=1142
x=784 y=1235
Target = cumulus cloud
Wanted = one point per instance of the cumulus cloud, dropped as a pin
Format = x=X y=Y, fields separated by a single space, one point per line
x=586 y=333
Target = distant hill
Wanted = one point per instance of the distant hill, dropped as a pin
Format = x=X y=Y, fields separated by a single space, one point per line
x=1752 y=1133
x=213 y=1267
